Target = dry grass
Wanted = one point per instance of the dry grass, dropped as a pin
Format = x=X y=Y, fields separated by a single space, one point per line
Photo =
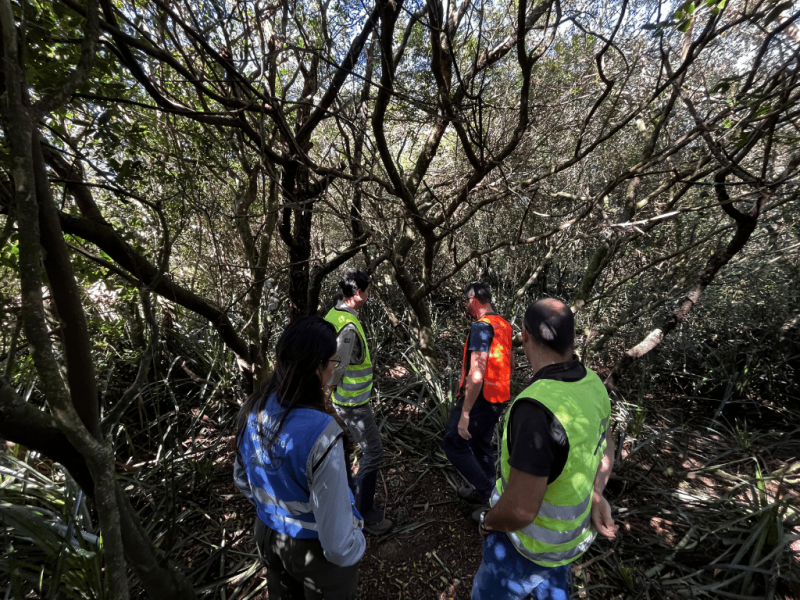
x=706 y=491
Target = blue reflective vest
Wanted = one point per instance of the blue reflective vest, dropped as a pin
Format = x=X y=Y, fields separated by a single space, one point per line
x=280 y=476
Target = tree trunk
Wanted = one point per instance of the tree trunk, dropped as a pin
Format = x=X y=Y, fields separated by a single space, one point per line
x=67 y=297
x=75 y=410
x=745 y=225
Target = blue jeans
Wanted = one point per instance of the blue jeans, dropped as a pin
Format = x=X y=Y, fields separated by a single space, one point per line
x=505 y=574
x=474 y=458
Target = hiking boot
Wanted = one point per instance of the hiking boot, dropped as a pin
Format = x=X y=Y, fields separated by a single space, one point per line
x=472 y=496
x=379 y=528
x=373 y=515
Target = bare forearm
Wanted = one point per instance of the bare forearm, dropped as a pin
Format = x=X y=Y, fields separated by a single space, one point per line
x=471 y=391
x=602 y=518
x=605 y=467
x=519 y=504
x=474 y=383
x=505 y=518
x=344 y=348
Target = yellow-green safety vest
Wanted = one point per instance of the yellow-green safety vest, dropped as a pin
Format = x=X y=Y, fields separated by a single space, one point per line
x=562 y=530
x=356 y=386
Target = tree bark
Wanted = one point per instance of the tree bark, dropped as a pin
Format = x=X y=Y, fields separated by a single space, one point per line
x=21 y=135
x=22 y=423
x=745 y=225
x=74 y=411
x=67 y=298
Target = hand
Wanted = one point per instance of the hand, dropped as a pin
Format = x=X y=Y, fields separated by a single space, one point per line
x=463 y=426
x=601 y=517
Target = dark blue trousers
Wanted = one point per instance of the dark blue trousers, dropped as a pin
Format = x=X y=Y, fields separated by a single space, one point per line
x=474 y=458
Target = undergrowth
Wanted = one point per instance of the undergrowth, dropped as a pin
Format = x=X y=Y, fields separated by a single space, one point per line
x=706 y=487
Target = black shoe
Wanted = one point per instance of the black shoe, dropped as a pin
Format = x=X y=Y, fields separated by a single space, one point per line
x=379 y=528
x=373 y=515
x=472 y=496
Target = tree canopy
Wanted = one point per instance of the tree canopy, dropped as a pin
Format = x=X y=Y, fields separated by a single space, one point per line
x=183 y=164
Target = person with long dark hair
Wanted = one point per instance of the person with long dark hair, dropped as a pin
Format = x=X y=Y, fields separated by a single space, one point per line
x=290 y=463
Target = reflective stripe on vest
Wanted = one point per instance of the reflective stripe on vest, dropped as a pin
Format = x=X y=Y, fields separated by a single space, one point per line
x=555 y=558
x=497 y=378
x=293 y=508
x=309 y=525
x=562 y=529
x=279 y=475
x=358 y=400
x=359 y=372
x=265 y=498
x=556 y=513
x=355 y=387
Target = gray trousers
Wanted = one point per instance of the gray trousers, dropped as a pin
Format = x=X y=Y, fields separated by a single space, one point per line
x=298 y=570
x=360 y=422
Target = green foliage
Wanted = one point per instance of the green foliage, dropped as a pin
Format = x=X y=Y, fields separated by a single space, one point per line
x=591 y=204
x=439 y=391
x=50 y=547
x=9 y=254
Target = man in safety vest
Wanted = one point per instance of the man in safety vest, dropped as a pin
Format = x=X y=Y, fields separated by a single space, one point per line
x=557 y=455
x=352 y=383
x=485 y=385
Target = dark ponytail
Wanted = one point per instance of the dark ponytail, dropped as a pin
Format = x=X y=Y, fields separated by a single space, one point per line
x=305 y=346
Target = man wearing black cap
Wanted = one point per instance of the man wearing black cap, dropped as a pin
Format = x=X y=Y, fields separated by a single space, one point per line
x=557 y=455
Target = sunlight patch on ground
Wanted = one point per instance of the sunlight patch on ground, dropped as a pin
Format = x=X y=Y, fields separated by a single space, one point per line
x=398 y=372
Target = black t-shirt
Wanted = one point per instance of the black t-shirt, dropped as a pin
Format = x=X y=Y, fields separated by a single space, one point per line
x=537 y=442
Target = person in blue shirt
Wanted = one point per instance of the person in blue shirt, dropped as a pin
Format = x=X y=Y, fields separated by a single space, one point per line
x=485 y=387
x=291 y=465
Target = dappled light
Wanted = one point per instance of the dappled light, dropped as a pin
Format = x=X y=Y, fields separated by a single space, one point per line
x=182 y=182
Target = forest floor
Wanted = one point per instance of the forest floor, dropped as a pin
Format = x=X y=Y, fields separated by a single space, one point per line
x=693 y=524
x=433 y=551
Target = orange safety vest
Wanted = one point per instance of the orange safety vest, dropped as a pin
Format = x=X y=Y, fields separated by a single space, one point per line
x=497 y=379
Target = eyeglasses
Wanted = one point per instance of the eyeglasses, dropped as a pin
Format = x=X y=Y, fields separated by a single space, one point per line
x=336 y=362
